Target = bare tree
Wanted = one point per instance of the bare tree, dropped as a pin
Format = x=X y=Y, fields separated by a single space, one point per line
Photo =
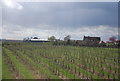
x=67 y=38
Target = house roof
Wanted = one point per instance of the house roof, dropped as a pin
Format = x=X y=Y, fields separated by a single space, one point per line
x=88 y=37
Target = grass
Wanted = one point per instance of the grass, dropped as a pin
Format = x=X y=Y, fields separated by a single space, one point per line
x=0 y=62
x=6 y=72
x=20 y=67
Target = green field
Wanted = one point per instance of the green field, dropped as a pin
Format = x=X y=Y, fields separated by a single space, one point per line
x=0 y=60
x=45 y=61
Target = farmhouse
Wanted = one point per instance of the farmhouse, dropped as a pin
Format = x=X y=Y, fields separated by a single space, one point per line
x=88 y=41
x=91 y=39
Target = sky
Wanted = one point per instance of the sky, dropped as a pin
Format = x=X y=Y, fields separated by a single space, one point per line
x=59 y=19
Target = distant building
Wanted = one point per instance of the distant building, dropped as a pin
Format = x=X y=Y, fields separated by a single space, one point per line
x=89 y=41
x=35 y=39
x=39 y=40
x=113 y=44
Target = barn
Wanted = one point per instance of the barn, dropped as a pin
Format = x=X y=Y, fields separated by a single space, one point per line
x=35 y=39
x=39 y=40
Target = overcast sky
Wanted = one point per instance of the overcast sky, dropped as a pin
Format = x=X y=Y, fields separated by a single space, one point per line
x=44 y=19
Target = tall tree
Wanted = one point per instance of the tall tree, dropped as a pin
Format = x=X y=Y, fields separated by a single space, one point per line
x=52 y=38
x=67 y=38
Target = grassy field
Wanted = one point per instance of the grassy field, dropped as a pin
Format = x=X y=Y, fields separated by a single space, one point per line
x=45 y=61
x=0 y=60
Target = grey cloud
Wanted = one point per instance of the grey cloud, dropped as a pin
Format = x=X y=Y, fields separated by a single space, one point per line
x=63 y=14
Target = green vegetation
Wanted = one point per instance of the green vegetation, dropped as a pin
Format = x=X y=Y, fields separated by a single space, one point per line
x=21 y=68
x=0 y=60
x=6 y=72
x=47 y=61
